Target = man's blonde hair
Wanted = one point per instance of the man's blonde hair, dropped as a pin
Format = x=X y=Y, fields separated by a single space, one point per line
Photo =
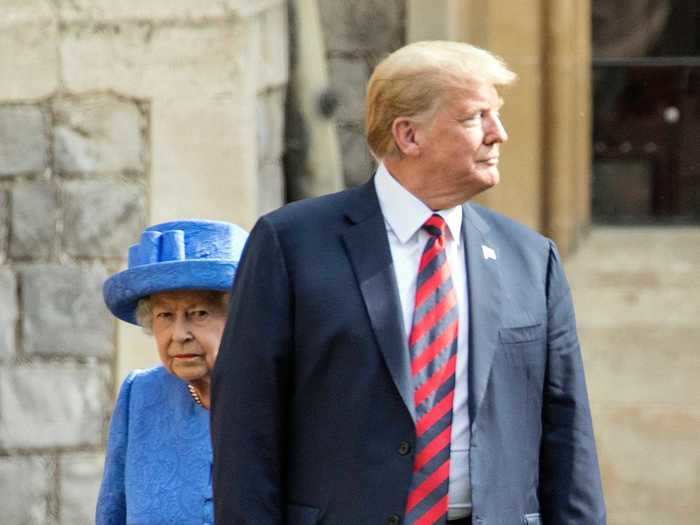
x=414 y=80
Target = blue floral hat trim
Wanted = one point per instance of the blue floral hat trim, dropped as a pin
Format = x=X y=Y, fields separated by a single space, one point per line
x=178 y=255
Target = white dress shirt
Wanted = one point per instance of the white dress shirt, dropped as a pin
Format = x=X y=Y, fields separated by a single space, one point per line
x=404 y=214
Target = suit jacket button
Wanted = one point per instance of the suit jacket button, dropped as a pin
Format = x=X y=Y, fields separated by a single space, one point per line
x=394 y=519
x=404 y=448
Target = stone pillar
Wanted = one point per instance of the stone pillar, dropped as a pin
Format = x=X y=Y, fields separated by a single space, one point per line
x=560 y=131
x=358 y=33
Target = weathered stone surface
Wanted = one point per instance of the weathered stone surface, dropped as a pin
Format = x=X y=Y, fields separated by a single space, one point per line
x=271 y=193
x=4 y=223
x=8 y=312
x=362 y=25
x=357 y=162
x=64 y=313
x=53 y=405
x=99 y=133
x=34 y=216
x=102 y=218
x=80 y=476
x=16 y=12
x=26 y=484
x=157 y=62
x=270 y=125
x=273 y=47
x=160 y=10
x=214 y=164
x=28 y=58
x=348 y=79
x=24 y=142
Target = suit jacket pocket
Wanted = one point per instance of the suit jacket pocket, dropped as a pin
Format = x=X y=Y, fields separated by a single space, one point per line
x=532 y=519
x=302 y=514
x=521 y=334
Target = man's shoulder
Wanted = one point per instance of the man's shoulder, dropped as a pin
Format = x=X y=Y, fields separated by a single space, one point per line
x=314 y=211
x=507 y=226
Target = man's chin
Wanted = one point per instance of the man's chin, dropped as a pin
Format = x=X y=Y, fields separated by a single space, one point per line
x=491 y=178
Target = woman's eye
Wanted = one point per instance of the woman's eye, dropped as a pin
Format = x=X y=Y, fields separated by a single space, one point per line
x=198 y=314
x=164 y=315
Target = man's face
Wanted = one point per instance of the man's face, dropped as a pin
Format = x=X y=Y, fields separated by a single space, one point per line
x=459 y=148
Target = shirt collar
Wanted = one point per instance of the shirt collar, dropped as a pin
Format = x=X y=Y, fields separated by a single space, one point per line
x=405 y=213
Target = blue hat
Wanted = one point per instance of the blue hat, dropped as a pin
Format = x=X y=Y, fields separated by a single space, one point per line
x=178 y=255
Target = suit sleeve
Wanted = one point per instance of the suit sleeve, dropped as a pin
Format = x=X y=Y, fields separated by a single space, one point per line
x=111 y=501
x=249 y=388
x=570 y=486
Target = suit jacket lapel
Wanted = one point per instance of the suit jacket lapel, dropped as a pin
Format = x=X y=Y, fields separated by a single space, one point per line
x=368 y=248
x=484 y=283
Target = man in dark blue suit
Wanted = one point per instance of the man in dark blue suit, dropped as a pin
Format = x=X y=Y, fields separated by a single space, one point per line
x=396 y=354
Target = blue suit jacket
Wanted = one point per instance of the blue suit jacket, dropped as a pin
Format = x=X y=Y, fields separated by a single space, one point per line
x=312 y=394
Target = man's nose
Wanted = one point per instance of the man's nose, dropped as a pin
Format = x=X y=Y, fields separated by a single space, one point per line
x=496 y=131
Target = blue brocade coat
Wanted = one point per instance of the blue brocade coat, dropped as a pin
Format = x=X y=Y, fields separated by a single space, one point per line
x=158 y=463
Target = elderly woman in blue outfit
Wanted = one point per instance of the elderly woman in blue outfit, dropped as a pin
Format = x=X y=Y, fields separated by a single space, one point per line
x=158 y=463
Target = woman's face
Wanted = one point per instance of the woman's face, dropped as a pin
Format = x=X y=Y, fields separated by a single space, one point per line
x=187 y=326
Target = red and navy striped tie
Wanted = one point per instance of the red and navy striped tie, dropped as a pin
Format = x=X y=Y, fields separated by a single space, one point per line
x=433 y=347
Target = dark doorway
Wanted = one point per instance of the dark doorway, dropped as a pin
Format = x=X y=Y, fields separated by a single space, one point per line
x=646 y=111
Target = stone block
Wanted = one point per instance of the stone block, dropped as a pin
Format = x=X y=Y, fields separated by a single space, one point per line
x=214 y=164
x=102 y=218
x=271 y=192
x=80 y=477
x=362 y=25
x=348 y=78
x=53 y=405
x=63 y=311
x=22 y=11
x=26 y=486
x=358 y=165
x=273 y=47
x=28 y=58
x=270 y=125
x=33 y=234
x=160 y=62
x=24 y=143
x=8 y=312
x=98 y=133
x=160 y=10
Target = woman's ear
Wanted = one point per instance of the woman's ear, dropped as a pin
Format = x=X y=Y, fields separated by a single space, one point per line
x=404 y=130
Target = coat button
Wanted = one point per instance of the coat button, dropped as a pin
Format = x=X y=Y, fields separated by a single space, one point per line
x=394 y=519
x=404 y=448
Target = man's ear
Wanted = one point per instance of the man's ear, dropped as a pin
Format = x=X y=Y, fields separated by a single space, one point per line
x=404 y=130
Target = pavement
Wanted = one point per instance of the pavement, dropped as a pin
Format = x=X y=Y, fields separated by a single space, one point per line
x=637 y=297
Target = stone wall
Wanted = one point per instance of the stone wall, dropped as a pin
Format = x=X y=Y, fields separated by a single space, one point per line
x=113 y=115
x=358 y=34
x=73 y=173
